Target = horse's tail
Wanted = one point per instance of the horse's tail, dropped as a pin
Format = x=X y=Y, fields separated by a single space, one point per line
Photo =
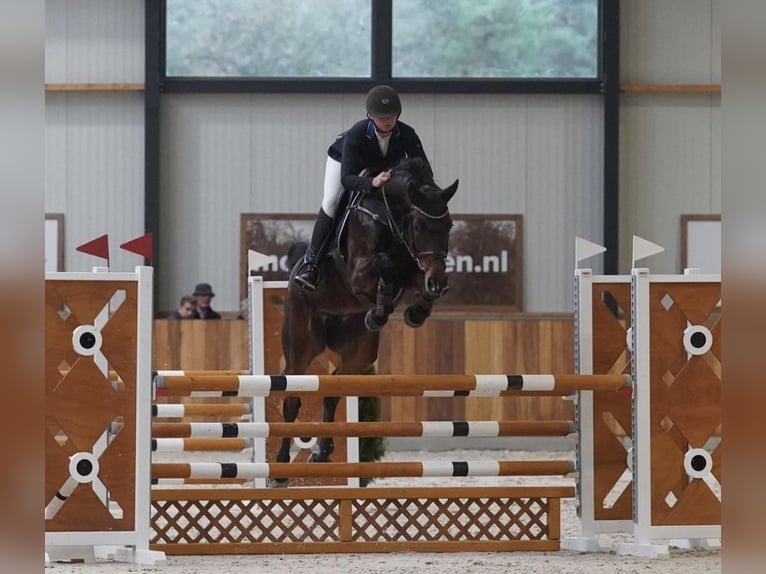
x=295 y=253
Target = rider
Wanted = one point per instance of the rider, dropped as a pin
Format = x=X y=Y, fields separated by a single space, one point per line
x=374 y=144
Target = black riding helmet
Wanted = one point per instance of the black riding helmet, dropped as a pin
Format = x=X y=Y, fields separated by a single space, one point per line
x=383 y=101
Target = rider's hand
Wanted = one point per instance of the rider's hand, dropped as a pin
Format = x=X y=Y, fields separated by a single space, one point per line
x=380 y=179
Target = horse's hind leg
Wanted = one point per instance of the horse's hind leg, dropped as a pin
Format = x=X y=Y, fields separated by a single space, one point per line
x=326 y=444
x=355 y=358
x=300 y=341
x=291 y=406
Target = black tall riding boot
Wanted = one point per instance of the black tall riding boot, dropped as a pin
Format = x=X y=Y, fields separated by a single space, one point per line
x=308 y=276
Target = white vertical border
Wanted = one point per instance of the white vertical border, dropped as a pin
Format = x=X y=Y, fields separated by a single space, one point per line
x=352 y=442
x=641 y=365
x=584 y=406
x=257 y=364
x=143 y=406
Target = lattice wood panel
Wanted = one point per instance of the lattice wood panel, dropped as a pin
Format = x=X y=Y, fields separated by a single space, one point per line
x=356 y=520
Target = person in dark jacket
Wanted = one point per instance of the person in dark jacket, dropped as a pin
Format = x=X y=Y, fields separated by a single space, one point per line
x=203 y=293
x=374 y=144
x=186 y=308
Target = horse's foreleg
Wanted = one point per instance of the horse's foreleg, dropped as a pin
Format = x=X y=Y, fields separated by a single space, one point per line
x=377 y=317
x=417 y=313
x=326 y=445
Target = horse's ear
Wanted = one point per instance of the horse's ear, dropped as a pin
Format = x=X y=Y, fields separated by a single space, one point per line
x=448 y=192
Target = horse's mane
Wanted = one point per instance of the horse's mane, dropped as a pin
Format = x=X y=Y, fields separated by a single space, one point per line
x=418 y=170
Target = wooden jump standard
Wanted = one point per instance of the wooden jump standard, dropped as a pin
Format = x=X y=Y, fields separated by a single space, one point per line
x=252 y=470
x=209 y=431
x=391 y=385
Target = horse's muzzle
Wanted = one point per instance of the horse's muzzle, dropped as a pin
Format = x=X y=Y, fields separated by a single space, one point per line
x=435 y=278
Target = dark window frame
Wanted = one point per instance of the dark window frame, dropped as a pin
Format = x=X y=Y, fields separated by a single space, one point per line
x=381 y=39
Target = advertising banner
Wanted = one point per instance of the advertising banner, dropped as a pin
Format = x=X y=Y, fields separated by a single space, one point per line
x=484 y=260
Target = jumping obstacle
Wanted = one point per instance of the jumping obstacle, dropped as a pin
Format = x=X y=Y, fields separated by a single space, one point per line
x=457 y=512
x=465 y=518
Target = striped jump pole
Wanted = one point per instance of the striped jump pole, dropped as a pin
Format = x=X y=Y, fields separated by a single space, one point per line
x=253 y=470
x=208 y=431
x=201 y=444
x=201 y=410
x=391 y=385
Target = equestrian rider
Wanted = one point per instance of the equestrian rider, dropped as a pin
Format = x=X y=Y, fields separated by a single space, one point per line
x=373 y=145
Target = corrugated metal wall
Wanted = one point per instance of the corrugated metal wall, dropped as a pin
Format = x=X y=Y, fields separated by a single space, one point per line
x=94 y=154
x=223 y=155
x=94 y=41
x=670 y=153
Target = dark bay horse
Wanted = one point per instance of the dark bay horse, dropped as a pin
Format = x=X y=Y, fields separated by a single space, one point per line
x=392 y=243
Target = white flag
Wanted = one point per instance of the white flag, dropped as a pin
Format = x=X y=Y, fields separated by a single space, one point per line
x=643 y=249
x=585 y=249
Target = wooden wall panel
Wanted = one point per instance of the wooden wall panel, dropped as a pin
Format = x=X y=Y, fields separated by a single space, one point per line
x=201 y=345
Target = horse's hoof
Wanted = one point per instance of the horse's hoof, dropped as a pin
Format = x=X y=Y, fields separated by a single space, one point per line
x=373 y=323
x=414 y=319
x=277 y=482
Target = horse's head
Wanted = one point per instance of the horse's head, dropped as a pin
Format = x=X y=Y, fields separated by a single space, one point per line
x=430 y=224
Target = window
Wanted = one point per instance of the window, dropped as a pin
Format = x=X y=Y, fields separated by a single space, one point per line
x=495 y=39
x=264 y=38
x=432 y=45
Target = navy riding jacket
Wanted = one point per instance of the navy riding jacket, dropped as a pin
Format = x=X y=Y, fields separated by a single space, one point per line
x=358 y=149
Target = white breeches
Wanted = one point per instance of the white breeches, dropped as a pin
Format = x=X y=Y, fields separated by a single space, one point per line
x=332 y=187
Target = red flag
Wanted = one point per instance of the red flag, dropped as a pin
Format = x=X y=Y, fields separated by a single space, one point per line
x=141 y=245
x=98 y=247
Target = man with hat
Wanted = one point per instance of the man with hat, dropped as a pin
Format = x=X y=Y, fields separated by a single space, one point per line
x=203 y=292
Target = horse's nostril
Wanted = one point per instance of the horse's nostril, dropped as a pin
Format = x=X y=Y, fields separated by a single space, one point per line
x=432 y=286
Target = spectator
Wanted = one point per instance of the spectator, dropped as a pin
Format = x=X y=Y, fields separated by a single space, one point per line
x=186 y=308
x=204 y=293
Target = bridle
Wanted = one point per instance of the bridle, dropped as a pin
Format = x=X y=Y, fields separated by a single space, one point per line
x=408 y=240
